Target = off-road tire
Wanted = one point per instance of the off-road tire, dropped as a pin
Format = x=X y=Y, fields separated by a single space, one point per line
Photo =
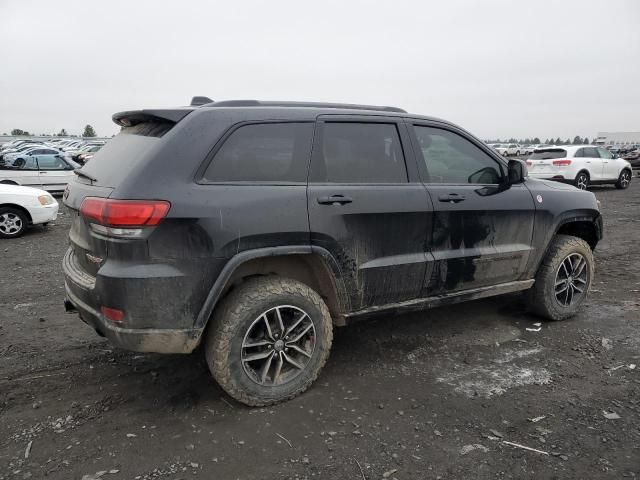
x=233 y=317
x=541 y=298
x=624 y=182
x=14 y=213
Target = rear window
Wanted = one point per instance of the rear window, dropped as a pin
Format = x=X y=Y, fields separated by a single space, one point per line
x=119 y=155
x=548 y=154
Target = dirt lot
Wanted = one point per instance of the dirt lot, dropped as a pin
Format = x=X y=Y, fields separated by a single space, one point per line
x=429 y=395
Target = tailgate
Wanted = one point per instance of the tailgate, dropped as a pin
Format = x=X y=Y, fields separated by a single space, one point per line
x=88 y=250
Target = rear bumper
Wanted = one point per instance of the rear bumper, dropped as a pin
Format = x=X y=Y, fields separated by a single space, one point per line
x=138 y=340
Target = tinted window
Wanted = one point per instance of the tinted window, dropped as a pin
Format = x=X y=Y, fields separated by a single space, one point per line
x=268 y=152
x=591 y=152
x=359 y=153
x=450 y=158
x=51 y=163
x=604 y=153
x=549 y=154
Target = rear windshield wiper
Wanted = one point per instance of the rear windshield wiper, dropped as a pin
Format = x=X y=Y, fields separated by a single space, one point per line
x=80 y=173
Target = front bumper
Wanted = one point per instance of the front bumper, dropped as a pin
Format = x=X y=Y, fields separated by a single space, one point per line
x=44 y=214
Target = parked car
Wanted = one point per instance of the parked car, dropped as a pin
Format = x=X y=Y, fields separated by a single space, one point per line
x=22 y=207
x=526 y=149
x=39 y=150
x=510 y=149
x=283 y=220
x=633 y=158
x=580 y=165
x=49 y=172
x=88 y=153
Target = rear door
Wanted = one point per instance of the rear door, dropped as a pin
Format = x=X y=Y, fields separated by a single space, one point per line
x=482 y=230
x=367 y=209
x=24 y=172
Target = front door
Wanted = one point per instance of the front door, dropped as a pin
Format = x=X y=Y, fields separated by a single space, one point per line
x=55 y=173
x=609 y=165
x=482 y=230
x=367 y=209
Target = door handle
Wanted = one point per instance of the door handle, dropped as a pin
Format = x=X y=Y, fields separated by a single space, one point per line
x=334 y=200
x=452 y=198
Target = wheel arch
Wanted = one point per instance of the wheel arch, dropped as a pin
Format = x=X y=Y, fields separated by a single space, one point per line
x=586 y=229
x=9 y=182
x=313 y=266
x=18 y=207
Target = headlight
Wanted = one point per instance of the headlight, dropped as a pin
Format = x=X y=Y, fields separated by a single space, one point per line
x=45 y=199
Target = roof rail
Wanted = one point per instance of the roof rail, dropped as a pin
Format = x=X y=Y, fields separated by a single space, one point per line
x=343 y=106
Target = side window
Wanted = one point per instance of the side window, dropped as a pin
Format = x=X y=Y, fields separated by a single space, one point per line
x=352 y=152
x=28 y=163
x=266 y=152
x=450 y=158
x=604 y=153
x=579 y=153
x=51 y=163
x=591 y=152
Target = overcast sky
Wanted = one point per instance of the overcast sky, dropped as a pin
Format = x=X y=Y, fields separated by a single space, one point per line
x=498 y=68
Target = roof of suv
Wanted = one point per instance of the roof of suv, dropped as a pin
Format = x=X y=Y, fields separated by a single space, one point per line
x=176 y=114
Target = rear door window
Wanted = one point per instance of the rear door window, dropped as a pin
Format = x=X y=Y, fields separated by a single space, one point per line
x=358 y=152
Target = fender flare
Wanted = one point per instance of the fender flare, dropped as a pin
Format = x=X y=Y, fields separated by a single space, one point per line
x=215 y=293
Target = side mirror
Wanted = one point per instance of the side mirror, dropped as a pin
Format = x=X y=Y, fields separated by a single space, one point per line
x=516 y=171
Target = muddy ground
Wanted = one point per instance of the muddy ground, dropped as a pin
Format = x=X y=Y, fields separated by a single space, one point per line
x=430 y=395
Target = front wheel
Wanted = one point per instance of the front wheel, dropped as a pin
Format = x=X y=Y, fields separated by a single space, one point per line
x=623 y=180
x=269 y=340
x=582 y=181
x=563 y=279
x=13 y=222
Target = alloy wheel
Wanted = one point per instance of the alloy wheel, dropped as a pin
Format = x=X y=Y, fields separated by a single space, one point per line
x=10 y=223
x=278 y=345
x=625 y=179
x=582 y=181
x=571 y=280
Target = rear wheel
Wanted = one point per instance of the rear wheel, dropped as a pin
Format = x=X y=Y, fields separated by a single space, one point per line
x=623 y=180
x=269 y=340
x=582 y=180
x=13 y=222
x=563 y=279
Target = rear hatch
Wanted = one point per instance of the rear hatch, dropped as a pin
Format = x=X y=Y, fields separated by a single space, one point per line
x=121 y=157
x=541 y=160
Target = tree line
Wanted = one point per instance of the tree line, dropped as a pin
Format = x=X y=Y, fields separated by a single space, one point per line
x=89 y=132
x=577 y=140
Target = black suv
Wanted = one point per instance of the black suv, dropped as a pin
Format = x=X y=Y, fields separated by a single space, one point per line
x=253 y=228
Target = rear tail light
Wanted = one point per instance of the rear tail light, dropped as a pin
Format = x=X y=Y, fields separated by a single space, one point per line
x=529 y=162
x=562 y=163
x=123 y=218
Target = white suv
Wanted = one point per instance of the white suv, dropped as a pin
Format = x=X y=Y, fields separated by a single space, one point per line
x=509 y=149
x=580 y=165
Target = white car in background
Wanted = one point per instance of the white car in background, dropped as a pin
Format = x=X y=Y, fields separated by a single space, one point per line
x=47 y=171
x=22 y=207
x=509 y=149
x=580 y=165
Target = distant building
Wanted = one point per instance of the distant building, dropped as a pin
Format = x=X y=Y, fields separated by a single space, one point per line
x=617 y=138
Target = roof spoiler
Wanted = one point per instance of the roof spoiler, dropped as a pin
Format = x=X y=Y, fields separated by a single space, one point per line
x=197 y=101
x=133 y=117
